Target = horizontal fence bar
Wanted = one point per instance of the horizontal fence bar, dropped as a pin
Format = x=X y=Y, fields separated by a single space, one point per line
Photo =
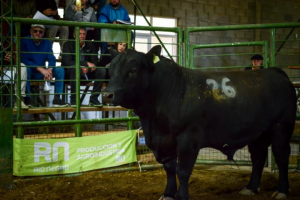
x=241 y=27
x=95 y=25
x=232 y=44
x=73 y=122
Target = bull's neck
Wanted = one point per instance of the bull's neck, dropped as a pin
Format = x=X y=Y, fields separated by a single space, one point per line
x=167 y=88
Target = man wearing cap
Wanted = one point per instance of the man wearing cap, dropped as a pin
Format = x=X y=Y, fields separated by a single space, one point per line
x=257 y=62
x=88 y=62
x=36 y=62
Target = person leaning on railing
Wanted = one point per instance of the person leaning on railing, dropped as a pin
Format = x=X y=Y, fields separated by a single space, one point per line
x=36 y=62
x=88 y=62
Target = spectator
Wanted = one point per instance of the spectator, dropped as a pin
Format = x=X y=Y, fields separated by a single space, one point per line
x=257 y=62
x=106 y=60
x=36 y=62
x=49 y=8
x=84 y=13
x=110 y=13
x=113 y=11
x=88 y=66
x=97 y=4
x=24 y=9
x=119 y=47
x=6 y=66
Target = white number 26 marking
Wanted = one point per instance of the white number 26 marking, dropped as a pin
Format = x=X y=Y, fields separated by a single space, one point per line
x=227 y=90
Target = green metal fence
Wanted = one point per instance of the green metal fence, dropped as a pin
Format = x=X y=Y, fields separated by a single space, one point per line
x=81 y=127
x=272 y=59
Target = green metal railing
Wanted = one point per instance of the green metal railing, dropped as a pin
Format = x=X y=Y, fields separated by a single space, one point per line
x=189 y=62
x=236 y=44
x=77 y=25
x=271 y=62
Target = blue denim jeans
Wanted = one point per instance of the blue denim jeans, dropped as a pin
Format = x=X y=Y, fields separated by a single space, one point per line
x=57 y=72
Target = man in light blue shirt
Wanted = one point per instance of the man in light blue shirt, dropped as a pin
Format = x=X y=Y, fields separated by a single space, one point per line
x=113 y=11
x=110 y=13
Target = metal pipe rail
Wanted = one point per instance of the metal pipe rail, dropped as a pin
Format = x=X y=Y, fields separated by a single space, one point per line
x=77 y=25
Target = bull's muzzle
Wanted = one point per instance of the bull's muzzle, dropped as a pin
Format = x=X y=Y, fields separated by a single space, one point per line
x=109 y=95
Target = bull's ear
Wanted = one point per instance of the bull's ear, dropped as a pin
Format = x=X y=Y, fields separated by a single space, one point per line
x=156 y=50
x=113 y=53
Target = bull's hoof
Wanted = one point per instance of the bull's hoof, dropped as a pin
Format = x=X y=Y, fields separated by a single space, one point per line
x=246 y=191
x=279 y=195
x=166 y=198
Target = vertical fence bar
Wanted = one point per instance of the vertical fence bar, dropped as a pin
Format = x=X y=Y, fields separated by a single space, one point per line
x=191 y=57
x=129 y=112
x=20 y=130
x=78 y=72
x=6 y=148
x=6 y=114
x=179 y=44
x=266 y=60
x=272 y=64
x=272 y=48
x=187 y=46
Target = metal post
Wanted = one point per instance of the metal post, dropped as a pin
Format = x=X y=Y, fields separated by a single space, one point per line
x=187 y=46
x=272 y=48
x=179 y=51
x=78 y=129
x=18 y=65
x=266 y=60
x=6 y=148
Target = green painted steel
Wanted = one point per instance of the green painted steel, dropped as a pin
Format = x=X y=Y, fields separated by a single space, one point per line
x=6 y=114
x=72 y=122
x=18 y=63
x=233 y=44
x=6 y=148
x=272 y=47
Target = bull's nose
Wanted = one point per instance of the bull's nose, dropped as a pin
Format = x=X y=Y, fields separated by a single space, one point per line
x=109 y=95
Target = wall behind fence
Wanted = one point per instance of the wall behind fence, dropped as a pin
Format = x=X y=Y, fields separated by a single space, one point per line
x=231 y=12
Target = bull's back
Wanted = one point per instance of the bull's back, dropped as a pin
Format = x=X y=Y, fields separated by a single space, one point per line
x=239 y=102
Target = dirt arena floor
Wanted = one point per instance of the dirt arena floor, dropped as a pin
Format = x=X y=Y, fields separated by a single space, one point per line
x=206 y=182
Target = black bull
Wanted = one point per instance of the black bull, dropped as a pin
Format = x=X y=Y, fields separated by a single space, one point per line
x=184 y=110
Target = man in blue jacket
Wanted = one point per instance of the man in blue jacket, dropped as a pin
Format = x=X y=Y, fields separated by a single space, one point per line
x=110 y=13
x=113 y=11
x=36 y=62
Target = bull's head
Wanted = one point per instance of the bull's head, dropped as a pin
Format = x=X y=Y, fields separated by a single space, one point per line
x=130 y=73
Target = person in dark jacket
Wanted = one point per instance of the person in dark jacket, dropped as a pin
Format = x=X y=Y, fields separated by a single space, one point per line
x=257 y=62
x=49 y=8
x=88 y=64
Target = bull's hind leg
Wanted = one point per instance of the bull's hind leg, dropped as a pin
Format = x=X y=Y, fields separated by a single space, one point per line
x=171 y=189
x=259 y=151
x=281 y=150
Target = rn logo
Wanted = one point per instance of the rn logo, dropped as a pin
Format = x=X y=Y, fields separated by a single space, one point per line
x=43 y=149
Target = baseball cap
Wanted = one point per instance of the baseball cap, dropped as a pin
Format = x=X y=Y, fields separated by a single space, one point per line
x=257 y=57
x=38 y=25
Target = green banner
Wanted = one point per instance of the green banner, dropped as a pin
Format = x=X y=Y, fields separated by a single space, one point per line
x=39 y=157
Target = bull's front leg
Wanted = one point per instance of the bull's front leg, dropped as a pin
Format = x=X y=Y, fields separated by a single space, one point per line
x=187 y=156
x=171 y=188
